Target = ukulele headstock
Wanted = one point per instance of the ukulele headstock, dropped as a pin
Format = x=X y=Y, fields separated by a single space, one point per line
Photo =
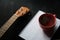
x=22 y=11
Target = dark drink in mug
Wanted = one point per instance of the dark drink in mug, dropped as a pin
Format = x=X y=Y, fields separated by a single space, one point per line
x=47 y=21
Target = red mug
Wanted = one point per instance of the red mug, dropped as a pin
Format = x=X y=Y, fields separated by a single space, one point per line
x=47 y=21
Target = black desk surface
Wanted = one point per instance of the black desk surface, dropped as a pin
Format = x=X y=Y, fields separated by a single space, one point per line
x=8 y=8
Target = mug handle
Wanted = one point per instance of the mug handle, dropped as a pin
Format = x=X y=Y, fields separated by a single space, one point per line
x=54 y=15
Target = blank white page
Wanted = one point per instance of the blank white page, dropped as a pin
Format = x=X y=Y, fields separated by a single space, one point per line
x=33 y=31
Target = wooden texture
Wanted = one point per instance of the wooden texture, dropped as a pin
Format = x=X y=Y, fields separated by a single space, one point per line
x=20 y=12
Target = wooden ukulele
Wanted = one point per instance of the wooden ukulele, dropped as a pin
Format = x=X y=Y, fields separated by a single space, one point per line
x=20 y=12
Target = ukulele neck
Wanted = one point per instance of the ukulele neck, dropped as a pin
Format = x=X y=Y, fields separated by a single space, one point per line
x=5 y=27
x=20 y=12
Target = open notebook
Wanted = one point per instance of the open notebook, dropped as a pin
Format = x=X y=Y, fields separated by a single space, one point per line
x=33 y=31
